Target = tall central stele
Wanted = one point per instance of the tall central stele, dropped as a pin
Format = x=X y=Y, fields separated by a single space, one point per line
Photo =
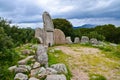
x=48 y=28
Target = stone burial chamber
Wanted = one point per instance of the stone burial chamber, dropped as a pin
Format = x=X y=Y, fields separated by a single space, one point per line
x=49 y=36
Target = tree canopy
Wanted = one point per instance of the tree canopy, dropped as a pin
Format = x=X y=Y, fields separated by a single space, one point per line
x=64 y=25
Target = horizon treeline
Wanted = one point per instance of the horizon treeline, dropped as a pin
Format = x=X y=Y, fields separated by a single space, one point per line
x=108 y=32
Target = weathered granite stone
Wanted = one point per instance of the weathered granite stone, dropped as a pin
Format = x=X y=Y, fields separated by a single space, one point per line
x=59 y=37
x=20 y=76
x=22 y=69
x=50 y=71
x=60 y=68
x=48 y=23
x=40 y=40
x=33 y=78
x=41 y=55
x=49 y=28
x=84 y=39
x=36 y=65
x=42 y=72
x=40 y=35
x=24 y=61
x=76 y=40
x=94 y=41
x=68 y=40
x=56 y=77
x=25 y=66
x=34 y=72
x=12 y=68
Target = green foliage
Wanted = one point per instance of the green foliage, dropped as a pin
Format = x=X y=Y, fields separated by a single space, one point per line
x=5 y=74
x=97 y=77
x=7 y=58
x=94 y=34
x=14 y=34
x=10 y=37
x=5 y=41
x=63 y=25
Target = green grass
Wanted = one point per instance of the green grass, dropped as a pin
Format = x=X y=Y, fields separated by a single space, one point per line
x=96 y=77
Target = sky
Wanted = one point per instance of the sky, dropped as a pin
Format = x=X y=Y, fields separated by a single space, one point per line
x=28 y=13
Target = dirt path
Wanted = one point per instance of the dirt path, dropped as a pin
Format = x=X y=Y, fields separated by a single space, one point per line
x=74 y=61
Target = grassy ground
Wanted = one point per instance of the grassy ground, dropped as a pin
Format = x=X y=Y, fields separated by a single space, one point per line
x=94 y=63
x=84 y=62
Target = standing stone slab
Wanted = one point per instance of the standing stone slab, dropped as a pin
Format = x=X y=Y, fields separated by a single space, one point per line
x=94 y=41
x=59 y=37
x=76 y=40
x=49 y=29
x=40 y=35
x=84 y=39
x=68 y=40
x=41 y=55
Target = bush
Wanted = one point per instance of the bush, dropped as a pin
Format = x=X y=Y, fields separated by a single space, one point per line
x=7 y=58
x=97 y=77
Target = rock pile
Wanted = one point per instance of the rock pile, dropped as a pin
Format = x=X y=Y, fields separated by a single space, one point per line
x=38 y=68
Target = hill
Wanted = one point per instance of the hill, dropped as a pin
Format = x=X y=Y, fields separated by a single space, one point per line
x=86 y=26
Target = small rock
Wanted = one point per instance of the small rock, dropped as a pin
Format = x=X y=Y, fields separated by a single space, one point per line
x=34 y=72
x=12 y=68
x=56 y=77
x=60 y=68
x=20 y=76
x=33 y=78
x=42 y=72
x=36 y=65
x=25 y=66
x=50 y=71
x=20 y=70
x=24 y=61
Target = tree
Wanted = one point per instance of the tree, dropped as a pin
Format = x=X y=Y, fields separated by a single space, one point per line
x=63 y=25
x=5 y=41
x=109 y=31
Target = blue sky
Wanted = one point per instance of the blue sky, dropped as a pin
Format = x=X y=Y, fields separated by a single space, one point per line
x=28 y=13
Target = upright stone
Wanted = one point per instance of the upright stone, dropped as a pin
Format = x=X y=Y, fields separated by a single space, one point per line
x=84 y=39
x=59 y=37
x=41 y=55
x=76 y=40
x=49 y=29
x=68 y=40
x=94 y=41
x=40 y=35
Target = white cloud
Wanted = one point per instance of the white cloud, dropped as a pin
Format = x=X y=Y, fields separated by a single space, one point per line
x=85 y=11
x=32 y=25
x=97 y=21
